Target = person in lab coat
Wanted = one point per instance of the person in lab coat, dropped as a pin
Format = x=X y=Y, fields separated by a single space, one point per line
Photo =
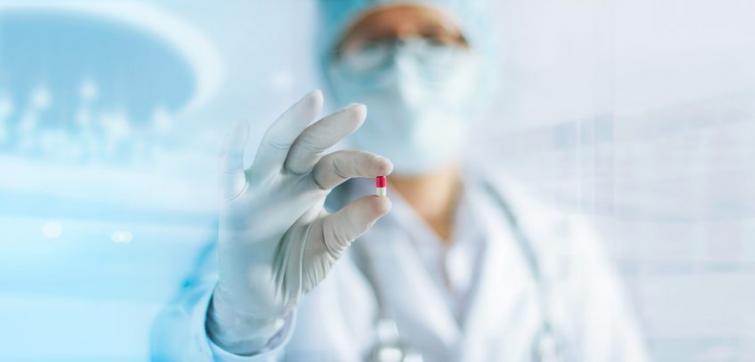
x=466 y=266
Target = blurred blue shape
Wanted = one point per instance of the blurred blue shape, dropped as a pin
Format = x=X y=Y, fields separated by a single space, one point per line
x=68 y=78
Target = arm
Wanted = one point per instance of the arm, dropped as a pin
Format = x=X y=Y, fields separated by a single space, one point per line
x=179 y=332
x=610 y=331
x=276 y=242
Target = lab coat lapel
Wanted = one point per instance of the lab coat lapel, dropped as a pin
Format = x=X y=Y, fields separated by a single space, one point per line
x=546 y=228
x=417 y=305
x=502 y=298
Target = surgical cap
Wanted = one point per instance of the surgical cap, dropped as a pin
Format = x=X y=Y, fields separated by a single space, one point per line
x=472 y=16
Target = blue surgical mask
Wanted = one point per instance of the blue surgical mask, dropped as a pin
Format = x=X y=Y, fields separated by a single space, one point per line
x=419 y=96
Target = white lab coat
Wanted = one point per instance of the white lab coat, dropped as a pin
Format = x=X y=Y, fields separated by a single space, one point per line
x=335 y=322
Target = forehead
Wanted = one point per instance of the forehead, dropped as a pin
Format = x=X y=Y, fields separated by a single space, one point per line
x=402 y=17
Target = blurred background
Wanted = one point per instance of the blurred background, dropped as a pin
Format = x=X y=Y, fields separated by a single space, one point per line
x=639 y=114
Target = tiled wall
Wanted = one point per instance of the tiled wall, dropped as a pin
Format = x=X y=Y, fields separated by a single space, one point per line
x=676 y=209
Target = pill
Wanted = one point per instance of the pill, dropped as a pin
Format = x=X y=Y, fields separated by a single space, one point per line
x=381 y=186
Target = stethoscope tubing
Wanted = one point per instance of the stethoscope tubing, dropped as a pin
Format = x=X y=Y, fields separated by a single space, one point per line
x=546 y=345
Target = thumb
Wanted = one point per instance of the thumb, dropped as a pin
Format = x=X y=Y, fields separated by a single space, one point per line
x=344 y=226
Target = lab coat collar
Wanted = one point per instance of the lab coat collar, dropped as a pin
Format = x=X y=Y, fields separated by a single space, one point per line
x=503 y=284
x=392 y=244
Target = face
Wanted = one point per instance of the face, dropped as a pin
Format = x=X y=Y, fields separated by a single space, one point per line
x=388 y=23
x=413 y=68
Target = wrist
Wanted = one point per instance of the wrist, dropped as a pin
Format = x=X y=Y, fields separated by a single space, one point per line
x=238 y=332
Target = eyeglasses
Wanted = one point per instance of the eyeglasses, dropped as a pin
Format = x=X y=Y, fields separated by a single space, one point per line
x=378 y=54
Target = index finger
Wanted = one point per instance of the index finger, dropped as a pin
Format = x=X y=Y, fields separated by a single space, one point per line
x=278 y=139
x=323 y=134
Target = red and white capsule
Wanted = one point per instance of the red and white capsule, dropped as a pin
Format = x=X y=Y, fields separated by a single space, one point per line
x=381 y=186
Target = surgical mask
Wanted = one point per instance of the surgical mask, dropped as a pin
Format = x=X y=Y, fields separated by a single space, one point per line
x=419 y=96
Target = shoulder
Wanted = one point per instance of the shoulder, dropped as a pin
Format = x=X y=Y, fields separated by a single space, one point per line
x=563 y=238
x=588 y=298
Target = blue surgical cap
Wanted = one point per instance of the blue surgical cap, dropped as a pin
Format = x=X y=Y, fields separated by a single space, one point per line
x=474 y=18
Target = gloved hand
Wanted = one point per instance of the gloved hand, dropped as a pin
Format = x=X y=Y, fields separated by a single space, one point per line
x=276 y=240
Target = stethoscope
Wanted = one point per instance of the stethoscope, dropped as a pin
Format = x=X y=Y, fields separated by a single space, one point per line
x=388 y=346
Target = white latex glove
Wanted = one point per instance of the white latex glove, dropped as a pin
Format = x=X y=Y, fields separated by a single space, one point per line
x=276 y=240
